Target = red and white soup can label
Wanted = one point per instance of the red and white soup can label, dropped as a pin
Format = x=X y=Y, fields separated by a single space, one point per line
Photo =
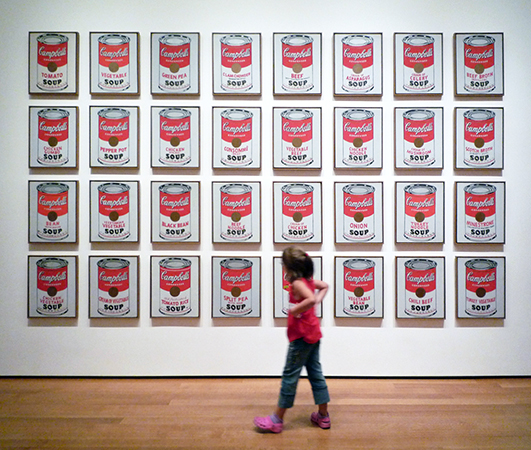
x=236 y=137
x=297 y=212
x=113 y=287
x=175 y=211
x=175 y=286
x=52 y=286
x=421 y=287
x=419 y=73
x=285 y=292
x=358 y=287
x=174 y=62
x=358 y=137
x=113 y=136
x=52 y=211
x=420 y=212
x=236 y=212
x=479 y=63
x=297 y=63
x=479 y=137
x=297 y=137
x=113 y=207
x=114 y=56
x=358 y=212
x=419 y=137
x=52 y=149
x=52 y=62
x=481 y=278
x=236 y=286
x=480 y=212
x=175 y=136
x=358 y=63
x=236 y=63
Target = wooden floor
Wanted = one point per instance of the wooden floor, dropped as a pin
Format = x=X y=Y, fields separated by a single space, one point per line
x=57 y=413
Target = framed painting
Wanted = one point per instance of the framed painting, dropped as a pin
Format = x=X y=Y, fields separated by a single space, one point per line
x=297 y=63
x=113 y=287
x=53 y=137
x=52 y=286
x=359 y=286
x=175 y=286
x=358 y=64
x=175 y=211
x=114 y=63
x=53 y=211
x=418 y=64
x=53 y=62
x=358 y=212
x=175 y=64
x=236 y=287
x=420 y=288
x=237 y=63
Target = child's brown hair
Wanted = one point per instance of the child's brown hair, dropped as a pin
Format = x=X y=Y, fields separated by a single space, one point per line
x=297 y=264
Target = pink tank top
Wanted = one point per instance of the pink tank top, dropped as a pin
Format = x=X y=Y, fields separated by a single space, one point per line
x=307 y=326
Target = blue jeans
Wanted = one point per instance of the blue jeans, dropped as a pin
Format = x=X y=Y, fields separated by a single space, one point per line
x=301 y=354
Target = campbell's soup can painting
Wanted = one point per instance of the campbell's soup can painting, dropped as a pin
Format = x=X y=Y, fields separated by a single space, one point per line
x=175 y=136
x=480 y=212
x=236 y=137
x=285 y=292
x=419 y=137
x=297 y=137
x=52 y=62
x=358 y=212
x=52 y=286
x=114 y=70
x=421 y=287
x=480 y=275
x=297 y=63
x=175 y=211
x=479 y=137
x=418 y=63
x=175 y=274
x=358 y=287
x=358 y=137
x=420 y=208
x=236 y=62
x=236 y=212
x=297 y=212
x=53 y=137
x=113 y=211
x=479 y=63
x=113 y=134
x=52 y=211
x=236 y=286
x=113 y=287
x=358 y=63
x=174 y=63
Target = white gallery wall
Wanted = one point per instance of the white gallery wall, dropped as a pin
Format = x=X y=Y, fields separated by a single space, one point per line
x=256 y=346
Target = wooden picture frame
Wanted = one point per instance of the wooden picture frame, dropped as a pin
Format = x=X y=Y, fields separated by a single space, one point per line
x=175 y=62
x=236 y=287
x=53 y=211
x=53 y=62
x=53 y=137
x=53 y=286
x=358 y=64
x=114 y=63
x=114 y=137
x=175 y=286
x=113 y=287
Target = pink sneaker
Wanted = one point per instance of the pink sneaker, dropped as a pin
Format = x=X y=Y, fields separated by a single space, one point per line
x=267 y=424
x=321 y=421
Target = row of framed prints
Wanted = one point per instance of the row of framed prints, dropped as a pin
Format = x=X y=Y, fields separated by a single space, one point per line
x=236 y=287
x=237 y=137
x=297 y=212
x=237 y=63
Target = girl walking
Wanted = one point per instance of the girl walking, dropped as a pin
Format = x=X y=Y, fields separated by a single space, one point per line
x=304 y=334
